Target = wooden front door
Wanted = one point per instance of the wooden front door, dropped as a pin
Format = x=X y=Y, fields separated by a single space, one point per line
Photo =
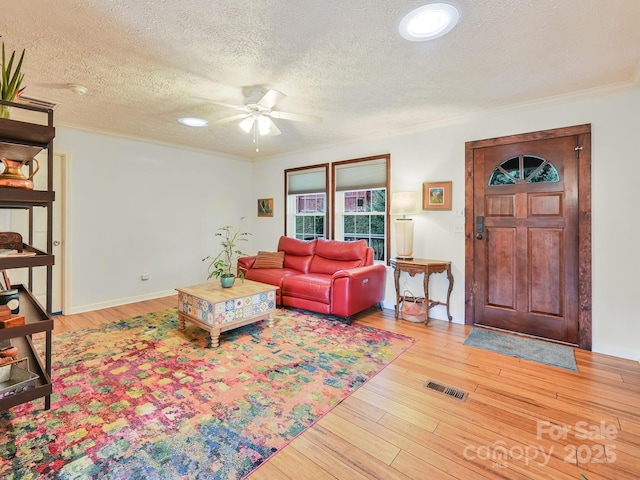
x=525 y=243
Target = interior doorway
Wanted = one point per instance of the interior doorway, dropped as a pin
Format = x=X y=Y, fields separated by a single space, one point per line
x=528 y=234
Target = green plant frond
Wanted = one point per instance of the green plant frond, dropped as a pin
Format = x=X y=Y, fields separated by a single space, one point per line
x=223 y=262
x=10 y=83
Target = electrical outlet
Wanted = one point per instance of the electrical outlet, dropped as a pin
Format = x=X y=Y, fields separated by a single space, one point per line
x=459 y=228
x=144 y=276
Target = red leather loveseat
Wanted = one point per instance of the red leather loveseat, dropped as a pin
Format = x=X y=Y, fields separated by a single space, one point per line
x=324 y=276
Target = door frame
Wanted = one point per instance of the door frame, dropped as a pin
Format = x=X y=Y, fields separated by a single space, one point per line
x=62 y=196
x=584 y=220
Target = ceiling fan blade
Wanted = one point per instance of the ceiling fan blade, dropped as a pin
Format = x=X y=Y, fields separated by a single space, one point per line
x=274 y=129
x=215 y=102
x=230 y=119
x=296 y=117
x=271 y=98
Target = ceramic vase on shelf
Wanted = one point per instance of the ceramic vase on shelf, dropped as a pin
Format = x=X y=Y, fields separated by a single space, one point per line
x=5 y=111
x=12 y=175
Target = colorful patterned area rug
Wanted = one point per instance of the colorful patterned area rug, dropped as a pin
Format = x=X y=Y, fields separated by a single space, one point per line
x=139 y=399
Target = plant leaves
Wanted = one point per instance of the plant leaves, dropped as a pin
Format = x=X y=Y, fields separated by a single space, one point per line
x=10 y=80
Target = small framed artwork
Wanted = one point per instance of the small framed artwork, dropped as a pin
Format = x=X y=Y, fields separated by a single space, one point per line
x=265 y=207
x=436 y=196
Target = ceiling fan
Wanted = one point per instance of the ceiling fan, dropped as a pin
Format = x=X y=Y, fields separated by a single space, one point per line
x=258 y=114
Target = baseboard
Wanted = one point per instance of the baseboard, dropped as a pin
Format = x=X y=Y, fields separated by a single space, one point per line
x=121 y=301
x=614 y=351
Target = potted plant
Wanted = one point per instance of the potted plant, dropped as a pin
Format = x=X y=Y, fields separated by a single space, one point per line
x=222 y=264
x=10 y=82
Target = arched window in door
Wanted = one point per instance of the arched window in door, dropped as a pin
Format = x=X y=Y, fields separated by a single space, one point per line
x=524 y=168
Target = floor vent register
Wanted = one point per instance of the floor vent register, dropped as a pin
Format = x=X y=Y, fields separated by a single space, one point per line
x=445 y=390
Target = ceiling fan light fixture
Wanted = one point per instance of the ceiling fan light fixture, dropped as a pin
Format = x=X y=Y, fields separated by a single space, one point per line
x=429 y=22
x=264 y=125
x=246 y=124
x=193 y=121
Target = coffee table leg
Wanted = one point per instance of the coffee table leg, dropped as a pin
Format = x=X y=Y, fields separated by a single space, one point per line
x=270 y=320
x=181 y=321
x=214 y=338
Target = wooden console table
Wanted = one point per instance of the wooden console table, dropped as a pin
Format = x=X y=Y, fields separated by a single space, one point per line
x=427 y=267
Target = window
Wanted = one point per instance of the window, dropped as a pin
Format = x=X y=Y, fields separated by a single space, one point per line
x=360 y=202
x=306 y=205
x=528 y=167
x=364 y=218
x=309 y=216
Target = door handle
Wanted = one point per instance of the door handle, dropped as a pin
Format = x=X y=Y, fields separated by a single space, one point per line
x=479 y=227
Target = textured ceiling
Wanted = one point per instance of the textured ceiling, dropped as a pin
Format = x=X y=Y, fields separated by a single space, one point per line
x=343 y=60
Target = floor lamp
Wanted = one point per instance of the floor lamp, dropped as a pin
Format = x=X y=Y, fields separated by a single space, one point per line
x=404 y=203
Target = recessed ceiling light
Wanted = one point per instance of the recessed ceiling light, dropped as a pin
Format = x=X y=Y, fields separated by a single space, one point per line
x=429 y=22
x=193 y=122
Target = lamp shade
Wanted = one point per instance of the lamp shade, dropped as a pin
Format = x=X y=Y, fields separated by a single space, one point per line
x=403 y=203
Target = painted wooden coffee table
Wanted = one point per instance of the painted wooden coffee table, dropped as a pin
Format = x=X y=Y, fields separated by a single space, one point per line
x=218 y=309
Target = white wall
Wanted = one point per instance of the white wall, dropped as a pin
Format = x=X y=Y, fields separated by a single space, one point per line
x=437 y=154
x=135 y=206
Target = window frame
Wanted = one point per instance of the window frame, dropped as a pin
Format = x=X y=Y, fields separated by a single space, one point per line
x=287 y=203
x=387 y=186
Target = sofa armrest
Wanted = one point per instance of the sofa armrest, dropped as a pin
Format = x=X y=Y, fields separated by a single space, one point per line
x=356 y=289
x=358 y=272
x=246 y=263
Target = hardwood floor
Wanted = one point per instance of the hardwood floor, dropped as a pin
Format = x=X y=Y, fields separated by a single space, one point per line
x=521 y=420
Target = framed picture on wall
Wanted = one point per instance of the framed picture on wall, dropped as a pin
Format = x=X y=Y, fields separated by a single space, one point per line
x=436 y=196
x=265 y=207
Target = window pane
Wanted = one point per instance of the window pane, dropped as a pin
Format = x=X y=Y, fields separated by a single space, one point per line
x=499 y=178
x=548 y=173
x=349 y=225
x=353 y=201
x=529 y=165
x=377 y=225
x=362 y=224
x=310 y=203
x=378 y=248
x=364 y=202
x=379 y=201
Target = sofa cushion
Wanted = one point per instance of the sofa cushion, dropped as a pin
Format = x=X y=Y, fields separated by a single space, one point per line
x=272 y=276
x=311 y=286
x=298 y=253
x=269 y=260
x=339 y=250
x=333 y=255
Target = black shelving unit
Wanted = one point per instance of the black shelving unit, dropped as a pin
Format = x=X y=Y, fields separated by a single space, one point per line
x=17 y=136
